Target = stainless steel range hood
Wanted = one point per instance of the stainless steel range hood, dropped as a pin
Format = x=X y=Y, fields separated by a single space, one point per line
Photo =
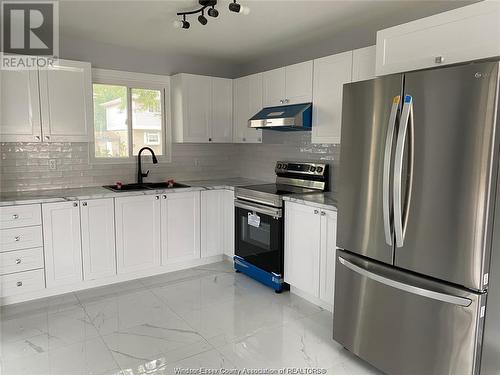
x=285 y=118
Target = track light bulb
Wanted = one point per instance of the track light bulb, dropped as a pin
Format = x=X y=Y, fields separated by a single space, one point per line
x=212 y=12
x=237 y=8
x=181 y=24
x=202 y=19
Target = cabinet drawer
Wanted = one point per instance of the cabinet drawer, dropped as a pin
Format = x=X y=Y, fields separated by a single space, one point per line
x=20 y=216
x=20 y=238
x=21 y=260
x=22 y=282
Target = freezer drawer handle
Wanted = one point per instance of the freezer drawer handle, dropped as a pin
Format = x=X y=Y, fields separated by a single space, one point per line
x=387 y=169
x=405 y=287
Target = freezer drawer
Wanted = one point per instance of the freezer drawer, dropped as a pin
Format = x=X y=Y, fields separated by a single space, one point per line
x=404 y=324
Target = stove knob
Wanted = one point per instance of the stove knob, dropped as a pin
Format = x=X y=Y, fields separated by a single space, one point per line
x=319 y=170
x=279 y=166
x=312 y=169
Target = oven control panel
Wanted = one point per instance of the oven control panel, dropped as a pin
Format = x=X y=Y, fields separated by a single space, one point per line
x=314 y=169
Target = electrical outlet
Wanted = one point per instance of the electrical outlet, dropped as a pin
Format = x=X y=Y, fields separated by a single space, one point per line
x=52 y=164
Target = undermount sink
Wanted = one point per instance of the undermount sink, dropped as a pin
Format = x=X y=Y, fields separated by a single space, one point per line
x=145 y=186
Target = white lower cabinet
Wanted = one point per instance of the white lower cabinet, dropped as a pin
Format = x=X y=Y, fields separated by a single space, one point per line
x=310 y=239
x=137 y=221
x=228 y=216
x=180 y=227
x=62 y=243
x=98 y=238
x=212 y=223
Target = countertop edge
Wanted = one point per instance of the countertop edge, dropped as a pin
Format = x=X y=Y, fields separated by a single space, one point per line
x=306 y=200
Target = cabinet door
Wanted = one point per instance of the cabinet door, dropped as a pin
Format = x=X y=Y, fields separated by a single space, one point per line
x=274 y=87
x=299 y=83
x=137 y=222
x=62 y=243
x=66 y=100
x=180 y=227
x=98 y=238
x=19 y=106
x=302 y=247
x=222 y=110
x=463 y=34
x=327 y=261
x=229 y=222
x=247 y=102
x=212 y=223
x=330 y=74
x=197 y=108
x=363 y=63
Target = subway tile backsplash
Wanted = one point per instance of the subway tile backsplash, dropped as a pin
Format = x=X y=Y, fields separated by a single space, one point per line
x=25 y=166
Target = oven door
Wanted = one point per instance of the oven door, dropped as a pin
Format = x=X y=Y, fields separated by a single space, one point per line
x=259 y=235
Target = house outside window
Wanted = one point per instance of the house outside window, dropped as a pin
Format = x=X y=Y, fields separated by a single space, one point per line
x=129 y=113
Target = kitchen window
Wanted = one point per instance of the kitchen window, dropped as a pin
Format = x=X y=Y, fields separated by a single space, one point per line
x=130 y=112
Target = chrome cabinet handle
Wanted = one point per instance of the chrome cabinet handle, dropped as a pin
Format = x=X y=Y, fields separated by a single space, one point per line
x=259 y=139
x=316 y=212
x=157 y=197
x=84 y=204
x=37 y=137
x=18 y=261
x=210 y=139
x=282 y=101
x=244 y=139
x=75 y=204
x=15 y=216
x=164 y=196
x=386 y=209
x=286 y=100
x=19 y=283
x=323 y=213
x=17 y=238
x=400 y=213
x=47 y=137
x=439 y=59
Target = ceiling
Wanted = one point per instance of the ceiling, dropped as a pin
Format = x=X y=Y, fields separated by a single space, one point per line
x=272 y=27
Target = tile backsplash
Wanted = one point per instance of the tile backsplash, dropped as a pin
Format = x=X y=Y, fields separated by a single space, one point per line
x=25 y=166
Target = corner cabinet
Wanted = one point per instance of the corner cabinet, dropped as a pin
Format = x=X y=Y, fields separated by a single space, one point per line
x=180 y=227
x=464 y=34
x=47 y=105
x=310 y=244
x=292 y=84
x=137 y=221
x=330 y=74
x=202 y=109
x=62 y=243
x=247 y=101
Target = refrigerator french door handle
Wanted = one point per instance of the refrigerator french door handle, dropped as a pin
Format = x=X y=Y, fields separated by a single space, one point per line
x=400 y=216
x=443 y=297
x=387 y=170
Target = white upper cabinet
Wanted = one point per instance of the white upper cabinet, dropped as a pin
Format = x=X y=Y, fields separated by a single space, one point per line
x=247 y=102
x=222 y=110
x=137 y=222
x=98 y=238
x=202 y=109
x=288 y=85
x=66 y=102
x=62 y=243
x=363 y=63
x=19 y=106
x=463 y=34
x=49 y=105
x=212 y=223
x=330 y=74
x=180 y=227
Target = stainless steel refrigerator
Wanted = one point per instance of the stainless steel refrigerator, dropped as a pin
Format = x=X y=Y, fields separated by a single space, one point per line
x=417 y=196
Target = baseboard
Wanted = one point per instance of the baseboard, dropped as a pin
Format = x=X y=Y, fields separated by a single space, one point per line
x=88 y=284
x=310 y=298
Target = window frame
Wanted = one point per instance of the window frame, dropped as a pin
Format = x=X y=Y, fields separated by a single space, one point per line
x=135 y=81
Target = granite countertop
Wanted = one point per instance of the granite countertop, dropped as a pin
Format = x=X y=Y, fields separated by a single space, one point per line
x=328 y=200
x=95 y=192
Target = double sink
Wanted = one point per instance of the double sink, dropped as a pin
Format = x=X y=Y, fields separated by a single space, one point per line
x=146 y=186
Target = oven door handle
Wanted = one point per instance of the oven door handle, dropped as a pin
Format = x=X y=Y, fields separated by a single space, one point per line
x=274 y=212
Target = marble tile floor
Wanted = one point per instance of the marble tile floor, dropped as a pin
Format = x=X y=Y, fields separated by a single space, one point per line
x=204 y=317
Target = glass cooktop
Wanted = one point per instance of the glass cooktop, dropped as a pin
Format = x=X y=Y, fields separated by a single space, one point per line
x=280 y=189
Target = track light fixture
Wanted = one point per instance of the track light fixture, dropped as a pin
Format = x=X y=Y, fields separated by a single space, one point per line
x=212 y=12
x=238 y=8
